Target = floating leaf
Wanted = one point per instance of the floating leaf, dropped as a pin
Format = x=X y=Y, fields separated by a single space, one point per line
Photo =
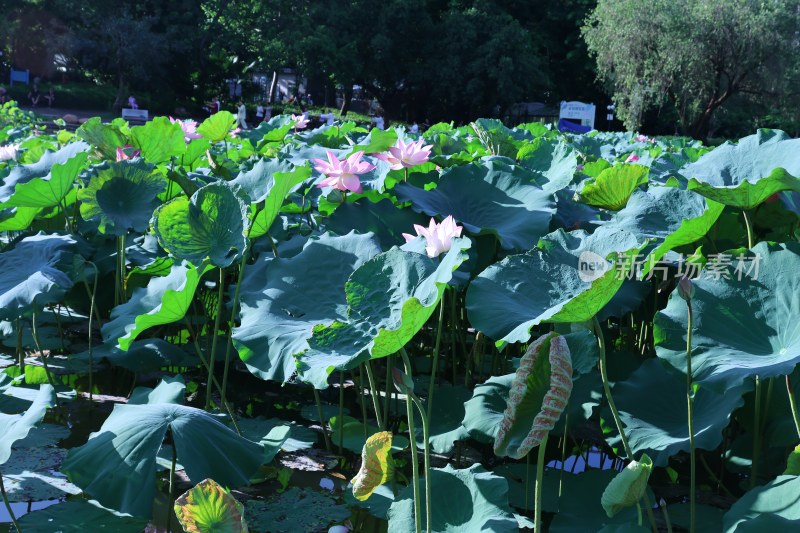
x=122 y=196
x=780 y=498
x=209 y=508
x=294 y=510
x=539 y=393
x=613 y=186
x=16 y=427
x=376 y=465
x=79 y=516
x=627 y=487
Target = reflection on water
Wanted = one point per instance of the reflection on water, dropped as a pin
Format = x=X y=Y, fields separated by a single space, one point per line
x=594 y=456
x=22 y=508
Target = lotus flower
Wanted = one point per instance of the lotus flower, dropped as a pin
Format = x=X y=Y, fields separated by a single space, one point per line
x=189 y=128
x=343 y=175
x=235 y=132
x=8 y=152
x=439 y=237
x=686 y=288
x=403 y=155
x=300 y=121
x=643 y=139
x=123 y=155
x=632 y=158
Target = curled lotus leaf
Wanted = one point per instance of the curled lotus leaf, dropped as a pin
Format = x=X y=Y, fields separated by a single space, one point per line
x=207 y=508
x=627 y=487
x=613 y=186
x=376 y=465
x=539 y=394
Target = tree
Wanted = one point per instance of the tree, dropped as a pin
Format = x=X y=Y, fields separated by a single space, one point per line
x=694 y=54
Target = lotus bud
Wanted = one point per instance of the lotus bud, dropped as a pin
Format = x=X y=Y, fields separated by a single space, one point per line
x=686 y=288
x=627 y=487
x=402 y=382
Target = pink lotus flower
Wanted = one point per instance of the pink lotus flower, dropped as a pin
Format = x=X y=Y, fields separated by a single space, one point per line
x=9 y=152
x=439 y=237
x=189 y=128
x=235 y=132
x=126 y=152
x=300 y=121
x=643 y=139
x=403 y=155
x=343 y=175
x=632 y=158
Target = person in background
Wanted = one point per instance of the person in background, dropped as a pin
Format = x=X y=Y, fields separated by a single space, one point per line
x=34 y=96
x=260 y=112
x=3 y=95
x=267 y=113
x=50 y=97
x=326 y=118
x=241 y=116
x=132 y=103
x=378 y=120
x=414 y=129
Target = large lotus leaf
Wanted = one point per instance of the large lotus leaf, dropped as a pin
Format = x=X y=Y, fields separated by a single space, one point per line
x=613 y=186
x=387 y=221
x=31 y=474
x=445 y=421
x=216 y=127
x=212 y=224
x=547 y=284
x=209 y=508
x=745 y=325
x=146 y=355
x=293 y=511
x=521 y=475
x=257 y=429
x=33 y=274
x=746 y=173
x=42 y=169
x=539 y=394
x=671 y=217
x=282 y=299
x=79 y=516
x=18 y=218
x=16 y=427
x=707 y=519
x=50 y=189
x=105 y=137
x=118 y=464
x=164 y=300
x=271 y=131
x=481 y=496
x=169 y=390
x=354 y=434
x=390 y=298
x=778 y=498
x=659 y=426
x=159 y=140
x=553 y=160
x=494 y=197
x=122 y=196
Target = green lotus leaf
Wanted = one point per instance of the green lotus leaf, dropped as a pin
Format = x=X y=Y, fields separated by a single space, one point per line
x=258 y=429
x=519 y=475
x=767 y=522
x=659 y=425
x=40 y=173
x=482 y=503
x=212 y=224
x=142 y=356
x=32 y=471
x=294 y=510
x=627 y=487
x=18 y=218
x=745 y=325
x=387 y=221
x=376 y=141
x=17 y=427
x=163 y=301
x=48 y=190
x=118 y=463
x=494 y=197
x=272 y=131
x=390 y=298
x=122 y=196
x=354 y=435
x=216 y=127
x=552 y=160
x=539 y=394
x=745 y=174
x=106 y=138
x=613 y=186
x=34 y=274
x=209 y=508
x=793 y=463
x=707 y=518
x=780 y=498
x=159 y=140
x=168 y=390
x=547 y=284
x=376 y=465
x=282 y=299
x=445 y=422
x=79 y=516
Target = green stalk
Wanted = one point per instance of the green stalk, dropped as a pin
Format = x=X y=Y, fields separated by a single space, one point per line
x=749 y=229
x=373 y=392
x=171 y=485
x=793 y=404
x=432 y=384
x=414 y=453
x=537 y=510
x=20 y=351
x=8 y=505
x=563 y=450
x=91 y=311
x=213 y=354
x=427 y=437
x=361 y=401
x=43 y=358
x=341 y=412
x=527 y=479
x=756 y=436
x=234 y=310
x=690 y=414
x=321 y=419
x=388 y=391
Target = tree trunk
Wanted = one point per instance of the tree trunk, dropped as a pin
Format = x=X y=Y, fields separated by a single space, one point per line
x=273 y=86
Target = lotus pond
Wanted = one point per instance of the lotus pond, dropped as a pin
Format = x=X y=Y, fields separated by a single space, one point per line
x=298 y=329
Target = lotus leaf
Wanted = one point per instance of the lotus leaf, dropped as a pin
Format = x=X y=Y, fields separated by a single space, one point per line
x=780 y=498
x=17 y=427
x=159 y=140
x=209 y=508
x=217 y=127
x=79 y=516
x=613 y=186
x=376 y=465
x=294 y=510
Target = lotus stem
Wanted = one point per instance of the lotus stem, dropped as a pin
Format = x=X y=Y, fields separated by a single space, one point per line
x=361 y=401
x=20 y=351
x=563 y=450
x=413 y=440
x=427 y=455
x=8 y=505
x=793 y=404
x=527 y=479
x=213 y=354
x=234 y=310
x=756 y=436
x=373 y=392
x=405 y=169
x=749 y=227
x=690 y=415
x=341 y=412
x=321 y=419
x=171 y=485
x=91 y=311
x=42 y=357
x=388 y=392
x=435 y=363
x=537 y=491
